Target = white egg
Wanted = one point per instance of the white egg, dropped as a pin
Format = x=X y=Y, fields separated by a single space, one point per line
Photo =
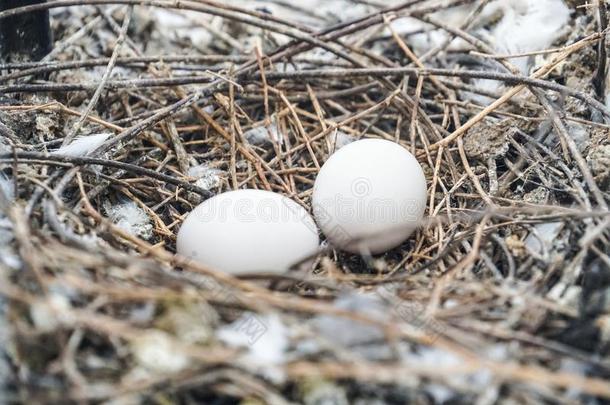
x=248 y=231
x=369 y=196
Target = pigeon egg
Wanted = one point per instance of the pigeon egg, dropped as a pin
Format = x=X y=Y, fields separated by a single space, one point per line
x=248 y=231
x=369 y=196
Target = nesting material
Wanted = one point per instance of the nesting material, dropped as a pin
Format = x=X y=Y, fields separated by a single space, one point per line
x=501 y=296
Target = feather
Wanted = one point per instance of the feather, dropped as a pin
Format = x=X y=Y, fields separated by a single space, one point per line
x=82 y=146
x=6 y=187
x=131 y=218
x=339 y=139
x=525 y=26
x=207 y=177
x=263 y=135
x=266 y=339
x=528 y=26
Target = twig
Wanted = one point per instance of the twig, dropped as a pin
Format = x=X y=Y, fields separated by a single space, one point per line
x=599 y=80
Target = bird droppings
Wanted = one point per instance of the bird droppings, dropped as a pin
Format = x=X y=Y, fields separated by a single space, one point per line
x=488 y=140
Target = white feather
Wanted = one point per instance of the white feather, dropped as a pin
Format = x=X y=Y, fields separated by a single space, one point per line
x=6 y=187
x=528 y=26
x=131 y=218
x=82 y=146
x=265 y=336
x=179 y=24
x=525 y=26
x=423 y=37
x=339 y=139
x=266 y=339
x=207 y=177
x=262 y=135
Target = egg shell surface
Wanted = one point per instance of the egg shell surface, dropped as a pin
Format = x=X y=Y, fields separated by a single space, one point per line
x=247 y=231
x=369 y=196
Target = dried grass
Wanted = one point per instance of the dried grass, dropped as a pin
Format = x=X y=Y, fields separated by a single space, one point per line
x=483 y=302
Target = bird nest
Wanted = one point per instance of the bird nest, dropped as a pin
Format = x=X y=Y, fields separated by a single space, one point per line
x=145 y=108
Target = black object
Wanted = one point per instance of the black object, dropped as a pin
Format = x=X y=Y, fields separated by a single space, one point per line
x=27 y=36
